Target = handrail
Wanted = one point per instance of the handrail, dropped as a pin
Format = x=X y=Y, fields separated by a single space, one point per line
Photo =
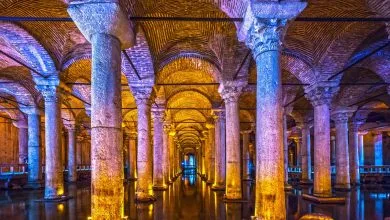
x=13 y=168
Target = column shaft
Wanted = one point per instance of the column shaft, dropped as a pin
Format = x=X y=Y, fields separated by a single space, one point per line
x=342 y=154
x=219 y=178
x=211 y=168
x=166 y=155
x=23 y=144
x=361 y=149
x=378 y=149
x=306 y=154
x=246 y=174
x=285 y=152
x=354 y=156
x=34 y=151
x=72 y=172
x=158 y=148
x=132 y=156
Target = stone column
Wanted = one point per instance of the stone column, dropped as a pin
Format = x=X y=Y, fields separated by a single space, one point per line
x=22 y=140
x=145 y=151
x=72 y=162
x=203 y=155
x=54 y=181
x=361 y=147
x=79 y=150
x=158 y=146
x=230 y=92
x=132 y=171
x=108 y=30
x=287 y=186
x=211 y=160
x=264 y=37
x=332 y=150
x=354 y=152
x=378 y=148
x=34 y=159
x=297 y=141
x=320 y=95
x=219 y=178
x=246 y=174
x=166 y=153
x=306 y=154
x=206 y=157
x=172 y=134
x=340 y=117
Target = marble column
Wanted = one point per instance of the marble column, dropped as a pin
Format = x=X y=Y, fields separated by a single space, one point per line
x=219 y=178
x=361 y=147
x=144 y=151
x=306 y=154
x=22 y=140
x=354 y=152
x=378 y=148
x=34 y=158
x=72 y=162
x=230 y=92
x=158 y=148
x=320 y=95
x=132 y=159
x=54 y=181
x=108 y=30
x=211 y=140
x=166 y=160
x=340 y=118
x=246 y=174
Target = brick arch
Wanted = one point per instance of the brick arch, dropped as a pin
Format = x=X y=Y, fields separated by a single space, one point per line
x=20 y=93
x=191 y=96
x=79 y=52
x=28 y=47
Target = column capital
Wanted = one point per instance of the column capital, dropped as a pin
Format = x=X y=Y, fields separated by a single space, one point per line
x=321 y=93
x=231 y=90
x=158 y=114
x=80 y=139
x=31 y=110
x=342 y=115
x=70 y=126
x=21 y=123
x=355 y=124
x=102 y=17
x=205 y=134
x=133 y=135
x=172 y=133
x=142 y=95
x=246 y=131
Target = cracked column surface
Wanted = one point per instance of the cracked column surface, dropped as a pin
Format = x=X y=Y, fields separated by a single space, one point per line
x=230 y=92
x=320 y=95
x=72 y=163
x=158 y=157
x=220 y=164
x=34 y=158
x=144 y=151
x=107 y=28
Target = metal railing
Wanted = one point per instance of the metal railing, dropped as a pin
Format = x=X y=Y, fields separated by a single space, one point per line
x=370 y=169
x=6 y=169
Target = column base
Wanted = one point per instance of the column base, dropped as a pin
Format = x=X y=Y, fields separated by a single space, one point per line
x=131 y=179
x=218 y=187
x=306 y=182
x=233 y=200
x=145 y=199
x=342 y=187
x=55 y=199
x=160 y=188
x=287 y=187
x=324 y=200
x=33 y=185
x=209 y=182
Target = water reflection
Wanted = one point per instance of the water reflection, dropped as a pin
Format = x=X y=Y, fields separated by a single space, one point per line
x=191 y=198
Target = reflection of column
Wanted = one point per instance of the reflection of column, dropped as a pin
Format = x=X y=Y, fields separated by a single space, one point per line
x=320 y=96
x=378 y=148
x=23 y=140
x=246 y=174
x=361 y=148
x=220 y=164
x=34 y=149
x=72 y=164
x=145 y=151
x=158 y=148
x=211 y=139
x=230 y=92
x=107 y=28
x=354 y=152
x=54 y=181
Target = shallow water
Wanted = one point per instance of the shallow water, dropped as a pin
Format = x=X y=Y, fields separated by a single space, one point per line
x=191 y=198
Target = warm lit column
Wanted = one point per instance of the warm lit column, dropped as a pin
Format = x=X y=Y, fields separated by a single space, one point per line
x=145 y=151
x=206 y=154
x=361 y=147
x=72 y=162
x=79 y=149
x=230 y=92
x=158 y=148
x=166 y=160
x=132 y=171
x=34 y=158
x=171 y=141
x=219 y=174
x=203 y=154
x=378 y=148
x=211 y=139
x=297 y=141
x=54 y=181
x=320 y=95
x=21 y=124
x=306 y=154
x=354 y=152
x=246 y=174
x=108 y=30
x=340 y=118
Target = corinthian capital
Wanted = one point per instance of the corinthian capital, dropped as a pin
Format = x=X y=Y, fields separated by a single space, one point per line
x=321 y=93
x=49 y=92
x=142 y=95
x=231 y=90
x=158 y=114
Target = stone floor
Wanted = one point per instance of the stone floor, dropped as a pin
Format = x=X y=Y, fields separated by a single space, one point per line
x=190 y=198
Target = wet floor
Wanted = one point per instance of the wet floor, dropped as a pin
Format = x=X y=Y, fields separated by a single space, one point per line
x=191 y=198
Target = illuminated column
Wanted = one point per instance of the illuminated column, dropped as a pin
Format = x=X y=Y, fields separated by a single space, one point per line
x=287 y=186
x=72 y=162
x=378 y=148
x=211 y=139
x=79 y=149
x=306 y=154
x=320 y=95
x=158 y=148
x=219 y=178
x=108 y=30
x=166 y=160
x=132 y=171
x=206 y=154
x=54 y=181
x=340 y=117
x=21 y=124
x=297 y=141
x=203 y=156
x=34 y=158
x=145 y=151
x=230 y=92
x=332 y=149
x=354 y=152
x=246 y=174
x=172 y=134
x=361 y=147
